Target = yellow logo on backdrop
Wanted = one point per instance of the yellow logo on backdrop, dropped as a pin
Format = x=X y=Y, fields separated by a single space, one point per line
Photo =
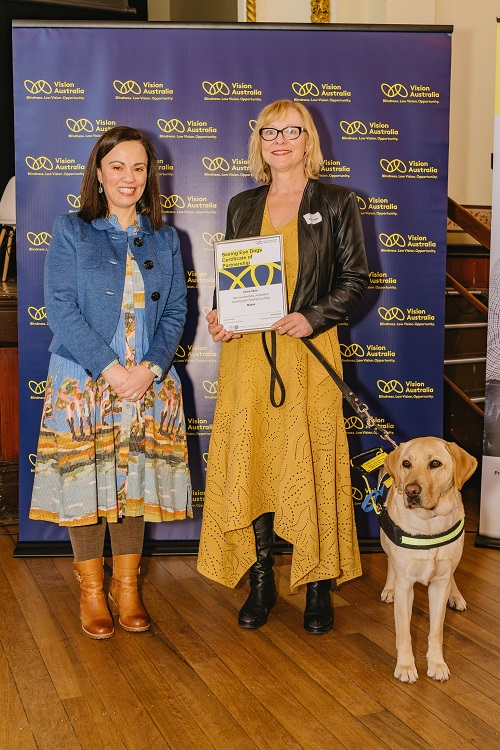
x=172 y=201
x=353 y=423
x=32 y=458
x=37 y=388
x=126 y=87
x=37 y=313
x=361 y=203
x=210 y=387
x=389 y=386
x=205 y=457
x=393 y=165
x=252 y=124
x=171 y=126
x=38 y=87
x=215 y=89
x=79 y=126
x=393 y=90
x=391 y=313
x=351 y=128
x=305 y=89
x=74 y=201
x=214 y=164
x=352 y=350
x=392 y=240
x=180 y=352
x=38 y=163
x=209 y=239
x=42 y=238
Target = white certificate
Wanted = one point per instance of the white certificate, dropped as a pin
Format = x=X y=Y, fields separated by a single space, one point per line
x=250 y=283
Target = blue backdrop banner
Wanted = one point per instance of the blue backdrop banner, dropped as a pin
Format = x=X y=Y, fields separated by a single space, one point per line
x=380 y=99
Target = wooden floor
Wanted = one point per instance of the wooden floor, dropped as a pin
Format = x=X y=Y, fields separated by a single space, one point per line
x=198 y=681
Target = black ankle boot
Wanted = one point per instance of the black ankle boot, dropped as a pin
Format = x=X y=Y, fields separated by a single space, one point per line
x=262 y=596
x=318 y=614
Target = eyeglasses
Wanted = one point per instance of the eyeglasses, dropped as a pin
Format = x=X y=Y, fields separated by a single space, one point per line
x=290 y=133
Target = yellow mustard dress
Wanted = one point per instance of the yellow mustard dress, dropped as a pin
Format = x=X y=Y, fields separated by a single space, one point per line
x=292 y=460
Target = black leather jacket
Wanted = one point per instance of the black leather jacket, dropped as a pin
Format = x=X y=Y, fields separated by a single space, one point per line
x=333 y=272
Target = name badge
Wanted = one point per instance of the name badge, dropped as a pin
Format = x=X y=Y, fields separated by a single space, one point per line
x=313 y=218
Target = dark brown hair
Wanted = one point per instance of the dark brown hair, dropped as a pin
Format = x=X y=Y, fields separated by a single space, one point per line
x=94 y=204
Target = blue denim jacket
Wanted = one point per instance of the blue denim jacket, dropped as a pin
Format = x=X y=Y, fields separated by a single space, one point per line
x=84 y=280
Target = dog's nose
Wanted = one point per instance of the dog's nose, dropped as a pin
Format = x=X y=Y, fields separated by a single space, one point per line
x=412 y=491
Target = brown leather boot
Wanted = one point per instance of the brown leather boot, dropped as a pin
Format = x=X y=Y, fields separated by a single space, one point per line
x=94 y=613
x=124 y=597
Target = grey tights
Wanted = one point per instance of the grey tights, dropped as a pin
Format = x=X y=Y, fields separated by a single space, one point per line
x=127 y=536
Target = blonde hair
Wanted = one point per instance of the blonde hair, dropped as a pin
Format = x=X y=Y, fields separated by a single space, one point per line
x=313 y=158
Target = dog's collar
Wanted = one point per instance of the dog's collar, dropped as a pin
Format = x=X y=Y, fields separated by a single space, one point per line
x=409 y=541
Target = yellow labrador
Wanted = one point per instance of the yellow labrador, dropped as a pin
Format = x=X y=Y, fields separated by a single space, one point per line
x=424 y=508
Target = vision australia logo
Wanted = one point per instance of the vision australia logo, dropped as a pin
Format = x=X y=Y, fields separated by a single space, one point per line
x=43 y=89
x=410 y=316
x=236 y=91
x=39 y=164
x=38 y=316
x=144 y=90
x=376 y=205
x=209 y=239
x=175 y=128
x=334 y=169
x=38 y=241
x=218 y=166
x=44 y=166
x=198 y=352
x=395 y=389
x=38 y=88
x=368 y=353
x=37 y=389
x=309 y=91
x=172 y=204
x=413 y=169
x=356 y=130
x=210 y=388
x=355 y=426
x=382 y=280
x=411 y=243
x=74 y=202
x=413 y=93
x=85 y=128
x=193 y=204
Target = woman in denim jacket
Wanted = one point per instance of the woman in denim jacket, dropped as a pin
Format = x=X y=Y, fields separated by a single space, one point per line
x=112 y=446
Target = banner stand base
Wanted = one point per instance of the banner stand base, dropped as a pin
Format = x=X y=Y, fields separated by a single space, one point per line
x=486 y=541
x=154 y=547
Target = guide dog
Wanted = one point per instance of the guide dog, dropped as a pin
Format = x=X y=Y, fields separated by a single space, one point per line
x=422 y=533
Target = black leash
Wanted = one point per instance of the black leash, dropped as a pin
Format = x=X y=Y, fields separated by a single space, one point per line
x=354 y=402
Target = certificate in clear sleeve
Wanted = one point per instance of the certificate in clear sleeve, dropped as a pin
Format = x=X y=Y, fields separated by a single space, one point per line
x=250 y=283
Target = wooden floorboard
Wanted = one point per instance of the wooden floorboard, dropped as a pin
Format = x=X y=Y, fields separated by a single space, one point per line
x=196 y=681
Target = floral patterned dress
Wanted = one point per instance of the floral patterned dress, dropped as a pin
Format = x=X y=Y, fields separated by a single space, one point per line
x=101 y=455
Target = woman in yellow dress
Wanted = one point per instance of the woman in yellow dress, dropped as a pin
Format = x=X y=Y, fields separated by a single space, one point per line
x=278 y=457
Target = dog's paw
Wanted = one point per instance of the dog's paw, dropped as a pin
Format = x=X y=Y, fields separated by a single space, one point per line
x=406 y=672
x=387 y=596
x=438 y=671
x=456 y=601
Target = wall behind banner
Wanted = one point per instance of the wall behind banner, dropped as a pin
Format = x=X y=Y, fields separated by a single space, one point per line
x=380 y=100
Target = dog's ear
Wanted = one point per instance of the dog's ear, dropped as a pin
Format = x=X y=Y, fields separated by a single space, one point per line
x=391 y=465
x=465 y=464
